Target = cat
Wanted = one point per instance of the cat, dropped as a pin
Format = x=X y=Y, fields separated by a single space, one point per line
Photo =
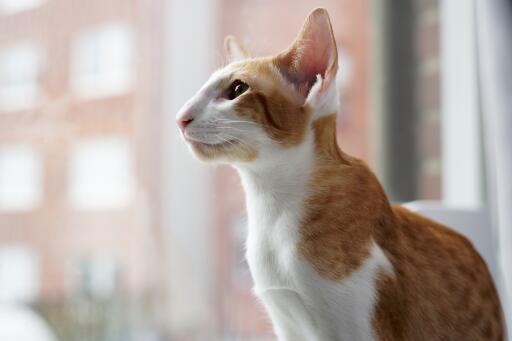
x=330 y=257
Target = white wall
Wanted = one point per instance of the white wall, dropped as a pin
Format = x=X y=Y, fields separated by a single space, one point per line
x=189 y=49
x=460 y=122
x=477 y=80
x=495 y=47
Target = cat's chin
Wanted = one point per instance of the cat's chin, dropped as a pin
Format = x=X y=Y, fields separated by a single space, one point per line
x=195 y=142
x=225 y=144
x=228 y=152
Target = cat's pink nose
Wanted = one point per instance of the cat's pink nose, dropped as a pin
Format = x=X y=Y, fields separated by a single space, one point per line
x=184 y=122
x=185 y=117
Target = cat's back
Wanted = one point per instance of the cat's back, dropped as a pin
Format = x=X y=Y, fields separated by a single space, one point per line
x=443 y=286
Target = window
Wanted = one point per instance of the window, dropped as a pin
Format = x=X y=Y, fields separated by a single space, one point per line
x=19 y=274
x=102 y=61
x=20 y=178
x=98 y=276
x=101 y=174
x=10 y=7
x=19 y=77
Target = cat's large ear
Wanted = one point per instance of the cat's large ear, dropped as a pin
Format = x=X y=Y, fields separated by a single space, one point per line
x=311 y=62
x=235 y=51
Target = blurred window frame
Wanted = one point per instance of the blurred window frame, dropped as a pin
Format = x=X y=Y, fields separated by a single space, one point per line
x=21 y=178
x=102 y=61
x=20 y=77
x=19 y=274
x=463 y=175
x=11 y=7
x=101 y=173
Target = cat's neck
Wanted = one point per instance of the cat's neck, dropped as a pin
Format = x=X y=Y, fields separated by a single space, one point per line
x=281 y=186
x=278 y=185
x=280 y=173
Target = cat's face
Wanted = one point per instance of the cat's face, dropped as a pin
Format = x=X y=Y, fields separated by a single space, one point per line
x=244 y=110
x=254 y=107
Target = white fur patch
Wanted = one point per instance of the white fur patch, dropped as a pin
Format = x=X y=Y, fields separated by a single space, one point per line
x=314 y=308
x=302 y=304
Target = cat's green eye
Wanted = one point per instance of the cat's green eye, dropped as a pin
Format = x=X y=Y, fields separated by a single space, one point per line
x=237 y=88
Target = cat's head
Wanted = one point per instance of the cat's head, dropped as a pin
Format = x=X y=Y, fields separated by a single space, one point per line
x=255 y=107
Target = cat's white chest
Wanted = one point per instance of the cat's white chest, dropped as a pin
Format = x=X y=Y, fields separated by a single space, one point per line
x=302 y=305
x=305 y=306
x=271 y=251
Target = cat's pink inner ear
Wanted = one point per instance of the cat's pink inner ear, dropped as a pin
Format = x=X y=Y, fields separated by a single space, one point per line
x=312 y=53
x=235 y=51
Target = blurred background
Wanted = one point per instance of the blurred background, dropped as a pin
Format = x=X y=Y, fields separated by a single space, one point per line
x=111 y=231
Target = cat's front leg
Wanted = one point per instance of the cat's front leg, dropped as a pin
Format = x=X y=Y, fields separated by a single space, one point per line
x=289 y=315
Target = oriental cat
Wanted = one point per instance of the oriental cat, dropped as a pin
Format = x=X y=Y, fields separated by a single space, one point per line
x=330 y=257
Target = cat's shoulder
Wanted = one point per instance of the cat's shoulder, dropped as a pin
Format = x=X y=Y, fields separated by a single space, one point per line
x=420 y=227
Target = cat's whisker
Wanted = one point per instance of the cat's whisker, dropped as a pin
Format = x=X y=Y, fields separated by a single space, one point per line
x=267 y=127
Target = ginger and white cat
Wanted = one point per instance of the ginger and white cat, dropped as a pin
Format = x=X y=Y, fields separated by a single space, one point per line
x=331 y=258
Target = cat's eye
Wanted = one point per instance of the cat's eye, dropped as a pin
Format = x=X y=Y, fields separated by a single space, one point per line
x=236 y=89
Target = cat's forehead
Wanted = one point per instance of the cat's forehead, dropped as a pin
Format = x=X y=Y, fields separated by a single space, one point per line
x=259 y=73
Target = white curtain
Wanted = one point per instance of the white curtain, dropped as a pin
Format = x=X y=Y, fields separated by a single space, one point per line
x=494 y=44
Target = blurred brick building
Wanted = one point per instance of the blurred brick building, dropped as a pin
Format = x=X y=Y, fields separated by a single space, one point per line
x=429 y=101
x=79 y=194
x=81 y=115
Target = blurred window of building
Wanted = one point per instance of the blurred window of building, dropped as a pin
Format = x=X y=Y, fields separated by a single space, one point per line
x=20 y=178
x=102 y=61
x=101 y=174
x=19 y=274
x=98 y=277
x=20 y=68
x=10 y=7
